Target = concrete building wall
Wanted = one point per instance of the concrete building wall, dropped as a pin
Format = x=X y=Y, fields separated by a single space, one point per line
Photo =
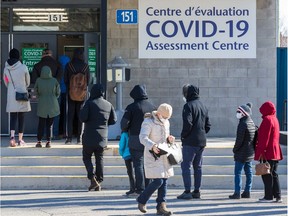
x=224 y=83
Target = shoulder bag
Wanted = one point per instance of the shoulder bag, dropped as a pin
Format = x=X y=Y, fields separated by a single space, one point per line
x=19 y=96
x=262 y=168
x=174 y=152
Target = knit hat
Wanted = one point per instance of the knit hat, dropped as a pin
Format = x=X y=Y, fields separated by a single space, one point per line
x=245 y=109
x=14 y=54
x=165 y=110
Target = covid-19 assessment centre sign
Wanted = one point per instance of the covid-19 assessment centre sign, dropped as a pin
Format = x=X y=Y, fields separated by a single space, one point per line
x=197 y=29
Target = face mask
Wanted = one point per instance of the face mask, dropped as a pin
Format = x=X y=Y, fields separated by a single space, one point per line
x=184 y=99
x=239 y=115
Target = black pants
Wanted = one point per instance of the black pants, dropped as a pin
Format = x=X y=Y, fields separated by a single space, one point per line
x=74 y=108
x=129 y=166
x=87 y=153
x=271 y=182
x=13 y=119
x=45 y=123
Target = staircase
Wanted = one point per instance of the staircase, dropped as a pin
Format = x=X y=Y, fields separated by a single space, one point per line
x=61 y=167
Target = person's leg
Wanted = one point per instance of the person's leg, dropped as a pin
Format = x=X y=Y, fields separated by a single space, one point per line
x=49 y=127
x=129 y=167
x=249 y=176
x=98 y=152
x=149 y=190
x=79 y=123
x=41 y=126
x=197 y=166
x=188 y=156
x=86 y=157
x=21 y=128
x=268 y=185
x=13 y=119
x=138 y=164
x=162 y=191
x=71 y=113
x=237 y=177
x=276 y=184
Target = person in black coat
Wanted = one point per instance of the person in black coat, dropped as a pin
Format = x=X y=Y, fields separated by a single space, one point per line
x=131 y=122
x=193 y=136
x=243 y=151
x=97 y=114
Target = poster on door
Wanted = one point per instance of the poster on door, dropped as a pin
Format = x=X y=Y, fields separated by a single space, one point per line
x=197 y=29
x=92 y=59
x=31 y=56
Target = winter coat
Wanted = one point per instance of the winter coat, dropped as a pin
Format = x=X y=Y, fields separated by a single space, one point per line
x=195 y=120
x=123 y=146
x=21 y=79
x=49 y=61
x=47 y=90
x=268 y=134
x=153 y=131
x=134 y=115
x=244 y=148
x=97 y=114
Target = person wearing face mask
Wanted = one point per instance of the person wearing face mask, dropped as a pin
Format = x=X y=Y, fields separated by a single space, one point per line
x=243 y=151
x=196 y=125
x=155 y=129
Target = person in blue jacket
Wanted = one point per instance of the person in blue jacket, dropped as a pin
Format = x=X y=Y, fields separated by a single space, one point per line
x=125 y=153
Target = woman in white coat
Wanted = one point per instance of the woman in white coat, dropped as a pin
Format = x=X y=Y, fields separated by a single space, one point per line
x=18 y=73
x=155 y=129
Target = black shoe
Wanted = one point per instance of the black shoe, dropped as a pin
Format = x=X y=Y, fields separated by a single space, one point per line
x=94 y=184
x=48 y=144
x=68 y=141
x=130 y=192
x=245 y=194
x=196 y=195
x=234 y=196
x=186 y=196
x=38 y=145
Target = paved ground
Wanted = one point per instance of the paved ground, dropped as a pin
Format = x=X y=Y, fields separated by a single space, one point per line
x=112 y=202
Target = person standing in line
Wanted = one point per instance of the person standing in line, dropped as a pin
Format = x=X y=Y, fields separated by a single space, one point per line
x=268 y=149
x=155 y=129
x=196 y=125
x=131 y=122
x=97 y=113
x=243 y=151
x=47 y=90
x=47 y=60
x=16 y=78
x=75 y=67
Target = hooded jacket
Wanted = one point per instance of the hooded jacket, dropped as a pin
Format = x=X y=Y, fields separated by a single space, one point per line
x=267 y=145
x=21 y=79
x=97 y=114
x=134 y=116
x=244 y=149
x=195 y=119
x=47 y=90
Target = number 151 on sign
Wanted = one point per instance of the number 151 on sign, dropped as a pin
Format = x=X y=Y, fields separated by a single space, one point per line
x=126 y=17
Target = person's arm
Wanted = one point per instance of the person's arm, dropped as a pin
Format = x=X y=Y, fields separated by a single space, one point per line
x=84 y=112
x=240 y=137
x=57 y=89
x=207 y=123
x=113 y=117
x=187 y=121
x=126 y=119
x=27 y=77
x=264 y=133
x=145 y=131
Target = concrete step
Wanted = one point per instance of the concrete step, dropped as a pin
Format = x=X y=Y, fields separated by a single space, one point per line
x=110 y=170
x=26 y=182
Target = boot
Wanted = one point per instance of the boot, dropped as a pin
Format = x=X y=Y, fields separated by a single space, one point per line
x=162 y=210
x=234 y=196
x=245 y=194
x=94 y=184
x=142 y=207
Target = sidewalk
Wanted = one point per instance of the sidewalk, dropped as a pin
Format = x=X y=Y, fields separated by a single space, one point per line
x=112 y=202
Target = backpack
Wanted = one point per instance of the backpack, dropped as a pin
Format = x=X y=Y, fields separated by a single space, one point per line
x=78 y=84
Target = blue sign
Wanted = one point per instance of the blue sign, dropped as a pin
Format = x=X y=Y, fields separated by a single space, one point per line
x=126 y=16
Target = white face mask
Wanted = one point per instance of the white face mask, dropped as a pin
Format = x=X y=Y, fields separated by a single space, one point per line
x=239 y=115
x=184 y=99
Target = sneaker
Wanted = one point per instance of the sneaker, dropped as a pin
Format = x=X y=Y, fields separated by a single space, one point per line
x=196 y=195
x=21 y=143
x=265 y=200
x=234 y=196
x=38 y=145
x=142 y=207
x=68 y=141
x=245 y=194
x=12 y=142
x=279 y=200
x=48 y=144
x=186 y=196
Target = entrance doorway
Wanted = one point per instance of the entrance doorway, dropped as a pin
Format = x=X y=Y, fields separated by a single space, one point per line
x=30 y=47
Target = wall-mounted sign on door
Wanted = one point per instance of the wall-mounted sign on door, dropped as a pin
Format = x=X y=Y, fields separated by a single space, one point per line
x=31 y=56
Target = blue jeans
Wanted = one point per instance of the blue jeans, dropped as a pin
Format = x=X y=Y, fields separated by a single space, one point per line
x=238 y=179
x=192 y=156
x=156 y=184
x=137 y=157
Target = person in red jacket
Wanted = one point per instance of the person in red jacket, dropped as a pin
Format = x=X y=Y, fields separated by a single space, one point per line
x=268 y=149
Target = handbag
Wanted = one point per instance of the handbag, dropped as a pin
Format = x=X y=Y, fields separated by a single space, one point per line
x=19 y=96
x=174 y=152
x=262 y=168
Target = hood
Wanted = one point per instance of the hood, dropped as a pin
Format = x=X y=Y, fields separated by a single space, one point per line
x=139 y=92
x=96 y=91
x=12 y=64
x=46 y=72
x=267 y=108
x=192 y=93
